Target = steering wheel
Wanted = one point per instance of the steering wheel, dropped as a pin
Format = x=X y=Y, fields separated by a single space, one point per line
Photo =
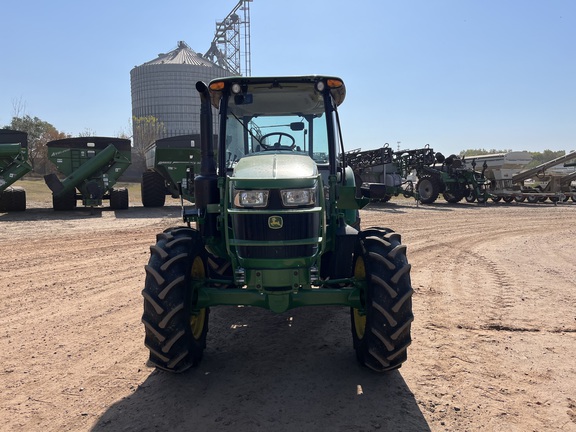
x=277 y=144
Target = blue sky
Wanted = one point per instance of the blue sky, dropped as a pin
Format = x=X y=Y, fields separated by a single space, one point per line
x=455 y=74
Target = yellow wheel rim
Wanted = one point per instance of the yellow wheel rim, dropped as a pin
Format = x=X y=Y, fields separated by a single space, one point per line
x=359 y=319
x=197 y=320
x=197 y=323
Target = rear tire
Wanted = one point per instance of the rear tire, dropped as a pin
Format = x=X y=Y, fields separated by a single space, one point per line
x=65 y=202
x=13 y=199
x=175 y=328
x=119 y=199
x=153 y=189
x=381 y=331
x=428 y=189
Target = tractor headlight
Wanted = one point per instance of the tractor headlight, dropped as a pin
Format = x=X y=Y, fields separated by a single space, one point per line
x=298 y=197
x=251 y=198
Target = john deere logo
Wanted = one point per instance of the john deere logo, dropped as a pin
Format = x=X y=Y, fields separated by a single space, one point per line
x=275 y=222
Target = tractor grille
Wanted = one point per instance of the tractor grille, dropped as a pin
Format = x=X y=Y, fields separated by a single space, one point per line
x=255 y=227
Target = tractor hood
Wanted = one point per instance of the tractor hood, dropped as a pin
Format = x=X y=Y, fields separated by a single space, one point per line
x=276 y=169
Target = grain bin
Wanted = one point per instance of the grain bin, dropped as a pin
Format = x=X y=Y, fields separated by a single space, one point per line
x=165 y=89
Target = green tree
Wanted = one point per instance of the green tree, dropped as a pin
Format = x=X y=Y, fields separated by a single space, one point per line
x=39 y=133
x=482 y=151
x=545 y=156
x=537 y=157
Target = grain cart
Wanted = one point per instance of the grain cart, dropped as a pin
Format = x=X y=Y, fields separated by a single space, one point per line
x=13 y=166
x=170 y=167
x=274 y=227
x=450 y=177
x=92 y=166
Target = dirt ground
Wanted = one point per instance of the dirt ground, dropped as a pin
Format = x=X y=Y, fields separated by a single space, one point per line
x=494 y=336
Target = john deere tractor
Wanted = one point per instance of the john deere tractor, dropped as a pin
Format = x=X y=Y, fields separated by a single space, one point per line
x=275 y=225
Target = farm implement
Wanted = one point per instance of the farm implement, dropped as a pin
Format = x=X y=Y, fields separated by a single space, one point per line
x=92 y=166
x=13 y=166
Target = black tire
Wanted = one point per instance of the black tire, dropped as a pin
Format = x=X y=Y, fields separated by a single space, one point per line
x=175 y=328
x=508 y=199
x=13 y=199
x=519 y=199
x=471 y=196
x=453 y=197
x=532 y=199
x=153 y=189
x=65 y=202
x=381 y=333
x=428 y=189
x=481 y=199
x=496 y=199
x=119 y=199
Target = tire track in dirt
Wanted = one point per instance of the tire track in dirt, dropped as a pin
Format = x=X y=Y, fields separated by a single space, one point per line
x=488 y=304
x=70 y=298
x=72 y=353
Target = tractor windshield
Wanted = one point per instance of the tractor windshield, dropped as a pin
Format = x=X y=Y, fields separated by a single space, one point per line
x=265 y=118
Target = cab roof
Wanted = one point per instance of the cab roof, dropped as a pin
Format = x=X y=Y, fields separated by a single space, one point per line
x=336 y=85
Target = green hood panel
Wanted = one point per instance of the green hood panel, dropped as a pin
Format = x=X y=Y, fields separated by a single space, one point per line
x=282 y=169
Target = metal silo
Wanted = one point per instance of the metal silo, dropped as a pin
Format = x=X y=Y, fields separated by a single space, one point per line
x=165 y=88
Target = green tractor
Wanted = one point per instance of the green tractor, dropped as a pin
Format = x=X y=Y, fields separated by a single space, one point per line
x=451 y=177
x=275 y=225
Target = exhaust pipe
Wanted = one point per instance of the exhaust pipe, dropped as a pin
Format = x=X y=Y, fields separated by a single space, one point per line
x=207 y=166
x=206 y=184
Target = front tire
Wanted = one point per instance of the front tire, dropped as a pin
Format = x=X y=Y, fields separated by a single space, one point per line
x=381 y=330
x=453 y=197
x=175 y=328
x=470 y=196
